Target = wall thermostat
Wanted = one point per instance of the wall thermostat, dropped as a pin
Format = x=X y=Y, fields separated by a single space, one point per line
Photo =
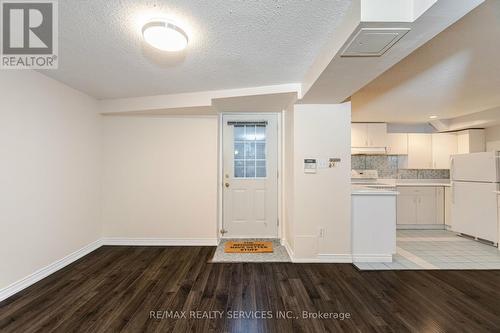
x=310 y=165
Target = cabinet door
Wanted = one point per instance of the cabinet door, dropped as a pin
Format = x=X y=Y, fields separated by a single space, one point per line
x=406 y=206
x=477 y=141
x=358 y=135
x=419 y=151
x=471 y=141
x=427 y=211
x=443 y=146
x=376 y=135
x=397 y=143
x=463 y=142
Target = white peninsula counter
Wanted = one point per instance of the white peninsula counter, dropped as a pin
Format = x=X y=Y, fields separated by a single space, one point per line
x=373 y=216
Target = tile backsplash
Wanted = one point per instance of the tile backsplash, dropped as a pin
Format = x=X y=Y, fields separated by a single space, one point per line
x=392 y=166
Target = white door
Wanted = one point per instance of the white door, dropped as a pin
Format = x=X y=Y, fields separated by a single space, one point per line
x=419 y=151
x=406 y=206
x=376 y=134
x=250 y=176
x=397 y=144
x=426 y=206
x=476 y=167
x=474 y=209
x=443 y=146
x=358 y=135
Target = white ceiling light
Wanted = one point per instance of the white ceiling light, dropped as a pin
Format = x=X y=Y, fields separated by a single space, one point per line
x=433 y=117
x=165 y=36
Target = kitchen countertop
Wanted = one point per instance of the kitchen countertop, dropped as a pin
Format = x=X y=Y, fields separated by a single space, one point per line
x=388 y=186
x=413 y=182
x=423 y=182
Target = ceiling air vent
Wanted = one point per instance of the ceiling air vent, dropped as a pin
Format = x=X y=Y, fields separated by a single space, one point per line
x=373 y=42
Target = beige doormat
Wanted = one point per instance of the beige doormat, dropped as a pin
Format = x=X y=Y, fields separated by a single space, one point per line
x=248 y=247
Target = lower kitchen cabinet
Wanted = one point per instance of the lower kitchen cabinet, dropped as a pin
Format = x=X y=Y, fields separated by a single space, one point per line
x=420 y=206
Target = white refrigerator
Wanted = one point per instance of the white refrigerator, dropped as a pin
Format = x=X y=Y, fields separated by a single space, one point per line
x=475 y=178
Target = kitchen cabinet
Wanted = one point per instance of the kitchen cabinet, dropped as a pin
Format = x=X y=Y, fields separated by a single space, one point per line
x=397 y=143
x=358 y=135
x=420 y=205
x=370 y=135
x=471 y=141
x=406 y=206
x=419 y=151
x=443 y=146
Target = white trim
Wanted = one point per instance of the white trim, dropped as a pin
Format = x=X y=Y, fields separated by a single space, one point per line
x=279 y=135
x=326 y=259
x=372 y=258
x=48 y=270
x=420 y=227
x=160 y=241
x=320 y=258
x=335 y=258
x=288 y=249
x=220 y=178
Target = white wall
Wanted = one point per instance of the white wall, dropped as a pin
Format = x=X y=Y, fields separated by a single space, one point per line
x=50 y=138
x=322 y=200
x=160 y=177
x=492 y=135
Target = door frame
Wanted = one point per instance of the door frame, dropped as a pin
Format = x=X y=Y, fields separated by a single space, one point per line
x=220 y=169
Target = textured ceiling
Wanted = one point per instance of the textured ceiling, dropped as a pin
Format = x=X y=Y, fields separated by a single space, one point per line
x=456 y=73
x=233 y=44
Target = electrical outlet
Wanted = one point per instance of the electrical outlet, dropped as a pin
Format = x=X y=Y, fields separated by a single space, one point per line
x=322 y=232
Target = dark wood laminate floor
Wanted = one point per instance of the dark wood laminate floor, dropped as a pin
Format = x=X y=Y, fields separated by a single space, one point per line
x=116 y=288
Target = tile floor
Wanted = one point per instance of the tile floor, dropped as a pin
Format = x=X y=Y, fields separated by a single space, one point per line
x=437 y=249
x=279 y=253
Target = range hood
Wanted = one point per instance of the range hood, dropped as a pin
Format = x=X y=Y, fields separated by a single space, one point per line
x=368 y=151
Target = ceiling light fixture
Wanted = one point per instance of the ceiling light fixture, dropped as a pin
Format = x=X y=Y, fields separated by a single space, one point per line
x=433 y=117
x=165 y=36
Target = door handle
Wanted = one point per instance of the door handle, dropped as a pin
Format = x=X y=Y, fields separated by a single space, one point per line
x=226 y=185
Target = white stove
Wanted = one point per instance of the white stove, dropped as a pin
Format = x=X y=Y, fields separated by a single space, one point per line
x=369 y=178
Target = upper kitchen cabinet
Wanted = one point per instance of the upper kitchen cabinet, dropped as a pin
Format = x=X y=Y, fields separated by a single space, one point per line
x=358 y=135
x=397 y=143
x=419 y=151
x=370 y=135
x=471 y=141
x=443 y=146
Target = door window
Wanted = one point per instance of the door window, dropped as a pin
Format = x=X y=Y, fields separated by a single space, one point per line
x=249 y=151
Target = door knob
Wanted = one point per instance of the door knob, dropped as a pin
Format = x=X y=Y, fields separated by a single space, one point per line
x=226 y=184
